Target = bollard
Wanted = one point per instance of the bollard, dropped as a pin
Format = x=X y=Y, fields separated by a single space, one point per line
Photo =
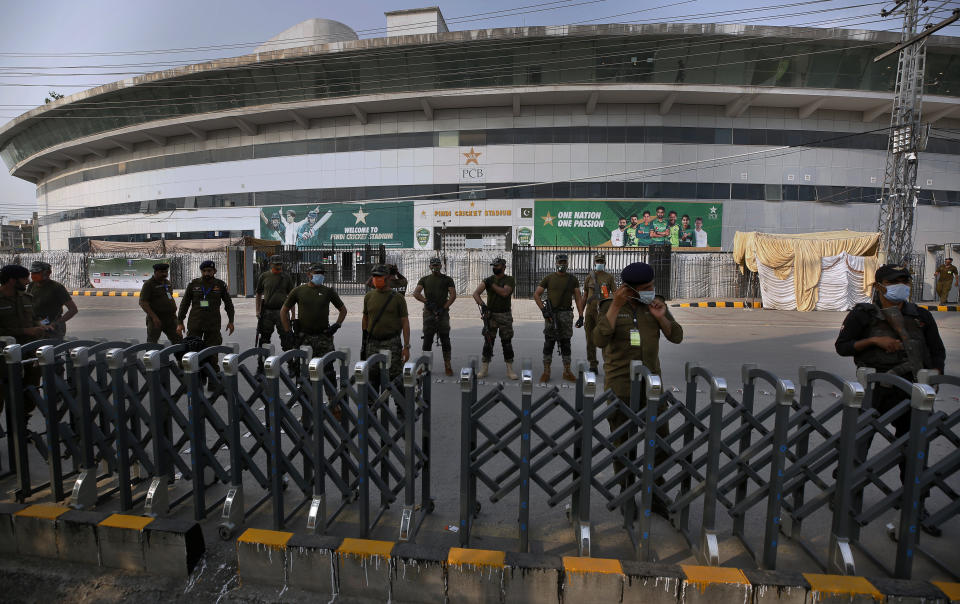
x=48 y=369
x=115 y=365
x=234 y=511
x=921 y=404
x=709 y=550
x=785 y=391
x=198 y=433
x=588 y=393
x=468 y=396
x=526 y=399
x=840 y=554
x=317 y=513
x=84 y=495
x=749 y=394
x=271 y=390
x=649 y=385
x=361 y=374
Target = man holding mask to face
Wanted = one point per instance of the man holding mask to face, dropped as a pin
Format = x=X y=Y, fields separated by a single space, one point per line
x=629 y=329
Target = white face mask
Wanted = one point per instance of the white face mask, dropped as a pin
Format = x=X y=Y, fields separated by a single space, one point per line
x=898 y=292
x=644 y=297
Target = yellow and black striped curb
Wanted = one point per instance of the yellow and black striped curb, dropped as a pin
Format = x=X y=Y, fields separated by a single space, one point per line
x=102 y=293
x=938 y=308
x=154 y=545
x=361 y=569
x=718 y=304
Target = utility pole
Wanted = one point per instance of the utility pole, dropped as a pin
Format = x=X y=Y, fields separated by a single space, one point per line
x=907 y=135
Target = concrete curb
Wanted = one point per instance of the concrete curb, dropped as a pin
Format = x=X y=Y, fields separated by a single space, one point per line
x=940 y=308
x=103 y=293
x=357 y=570
x=156 y=546
x=718 y=304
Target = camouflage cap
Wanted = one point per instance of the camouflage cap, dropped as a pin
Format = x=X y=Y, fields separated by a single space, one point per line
x=38 y=266
x=498 y=262
x=316 y=267
x=435 y=262
x=380 y=270
x=600 y=258
x=561 y=257
x=276 y=259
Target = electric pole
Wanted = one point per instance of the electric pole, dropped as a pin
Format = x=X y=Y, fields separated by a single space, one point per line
x=907 y=135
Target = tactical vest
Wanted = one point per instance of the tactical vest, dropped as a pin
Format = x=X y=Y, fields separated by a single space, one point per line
x=880 y=359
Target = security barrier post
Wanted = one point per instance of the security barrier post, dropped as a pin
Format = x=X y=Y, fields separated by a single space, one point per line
x=48 y=369
x=784 y=392
x=921 y=404
x=198 y=432
x=114 y=359
x=840 y=554
x=14 y=362
x=468 y=396
x=588 y=394
x=526 y=400
x=709 y=550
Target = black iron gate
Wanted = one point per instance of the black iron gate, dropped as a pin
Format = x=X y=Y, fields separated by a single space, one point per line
x=346 y=269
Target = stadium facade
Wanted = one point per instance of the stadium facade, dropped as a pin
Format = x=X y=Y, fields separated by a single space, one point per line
x=542 y=135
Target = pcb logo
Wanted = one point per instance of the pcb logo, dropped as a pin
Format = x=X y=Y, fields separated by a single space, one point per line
x=423 y=237
x=524 y=235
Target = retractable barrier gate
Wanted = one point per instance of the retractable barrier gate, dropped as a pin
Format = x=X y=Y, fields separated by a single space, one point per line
x=161 y=426
x=767 y=458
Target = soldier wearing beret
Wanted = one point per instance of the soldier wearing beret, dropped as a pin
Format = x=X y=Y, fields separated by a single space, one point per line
x=272 y=289
x=598 y=285
x=156 y=299
x=892 y=335
x=628 y=329
x=202 y=300
x=563 y=290
x=49 y=299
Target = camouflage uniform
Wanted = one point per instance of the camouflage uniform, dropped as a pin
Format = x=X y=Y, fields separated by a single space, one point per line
x=274 y=288
x=593 y=291
x=386 y=334
x=560 y=288
x=16 y=315
x=436 y=290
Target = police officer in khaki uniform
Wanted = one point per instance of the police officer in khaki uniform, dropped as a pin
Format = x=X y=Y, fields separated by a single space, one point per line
x=599 y=285
x=498 y=315
x=563 y=289
x=202 y=299
x=272 y=289
x=437 y=292
x=892 y=335
x=49 y=299
x=156 y=299
x=628 y=328
x=946 y=276
x=19 y=321
x=385 y=319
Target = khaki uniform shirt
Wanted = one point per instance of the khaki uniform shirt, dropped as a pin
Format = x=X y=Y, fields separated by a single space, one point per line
x=618 y=351
x=560 y=287
x=16 y=315
x=274 y=289
x=946 y=274
x=593 y=288
x=49 y=297
x=390 y=323
x=202 y=299
x=158 y=295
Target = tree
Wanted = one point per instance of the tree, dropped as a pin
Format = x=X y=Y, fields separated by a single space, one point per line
x=54 y=96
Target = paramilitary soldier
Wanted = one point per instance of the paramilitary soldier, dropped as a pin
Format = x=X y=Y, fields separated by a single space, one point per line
x=272 y=290
x=156 y=299
x=894 y=336
x=496 y=312
x=562 y=290
x=437 y=292
x=313 y=300
x=49 y=298
x=598 y=285
x=19 y=321
x=384 y=321
x=628 y=329
x=202 y=299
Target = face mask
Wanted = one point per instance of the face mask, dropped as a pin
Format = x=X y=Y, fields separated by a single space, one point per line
x=36 y=277
x=898 y=292
x=644 y=297
x=435 y=269
x=498 y=271
x=317 y=279
x=276 y=271
x=561 y=268
x=379 y=282
x=599 y=267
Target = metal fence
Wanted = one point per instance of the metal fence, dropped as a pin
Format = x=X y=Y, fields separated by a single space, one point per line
x=768 y=458
x=165 y=427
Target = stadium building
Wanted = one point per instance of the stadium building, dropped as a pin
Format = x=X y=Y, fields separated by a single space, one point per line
x=492 y=137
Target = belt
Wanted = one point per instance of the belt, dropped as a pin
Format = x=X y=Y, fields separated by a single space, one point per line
x=313 y=333
x=272 y=307
x=567 y=308
x=387 y=337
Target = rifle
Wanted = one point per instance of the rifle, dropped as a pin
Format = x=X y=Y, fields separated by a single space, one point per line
x=914 y=362
x=437 y=313
x=257 y=341
x=363 y=343
x=549 y=314
x=487 y=332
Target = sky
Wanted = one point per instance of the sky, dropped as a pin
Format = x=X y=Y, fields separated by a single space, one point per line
x=120 y=30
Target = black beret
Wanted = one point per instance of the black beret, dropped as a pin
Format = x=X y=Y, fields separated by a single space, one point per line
x=161 y=266
x=207 y=264
x=637 y=273
x=891 y=272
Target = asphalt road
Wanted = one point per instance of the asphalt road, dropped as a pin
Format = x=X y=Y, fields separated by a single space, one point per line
x=720 y=339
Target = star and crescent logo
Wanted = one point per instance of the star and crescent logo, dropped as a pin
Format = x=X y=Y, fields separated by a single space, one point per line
x=361 y=216
x=548 y=219
x=472 y=157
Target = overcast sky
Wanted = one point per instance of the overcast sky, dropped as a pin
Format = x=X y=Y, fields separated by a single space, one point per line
x=119 y=27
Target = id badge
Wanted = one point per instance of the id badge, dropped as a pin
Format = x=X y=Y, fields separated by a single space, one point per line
x=635 y=337
x=204 y=304
x=45 y=322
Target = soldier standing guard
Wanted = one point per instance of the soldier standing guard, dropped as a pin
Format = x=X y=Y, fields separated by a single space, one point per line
x=599 y=285
x=272 y=289
x=440 y=293
x=49 y=298
x=628 y=328
x=202 y=299
x=497 y=315
x=156 y=299
x=313 y=300
x=562 y=290
x=19 y=321
x=384 y=321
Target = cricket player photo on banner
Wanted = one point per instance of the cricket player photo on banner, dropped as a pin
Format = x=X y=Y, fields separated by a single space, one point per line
x=332 y=224
x=682 y=224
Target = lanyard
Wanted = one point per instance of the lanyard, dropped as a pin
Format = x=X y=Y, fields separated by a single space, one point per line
x=206 y=291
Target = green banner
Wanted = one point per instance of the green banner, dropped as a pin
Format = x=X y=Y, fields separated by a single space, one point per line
x=339 y=224
x=598 y=223
x=121 y=273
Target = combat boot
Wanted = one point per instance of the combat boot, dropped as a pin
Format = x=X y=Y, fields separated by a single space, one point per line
x=567 y=374
x=447 y=369
x=546 y=374
x=484 y=369
x=510 y=373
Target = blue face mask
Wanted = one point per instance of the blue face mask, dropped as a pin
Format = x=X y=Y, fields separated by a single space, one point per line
x=599 y=267
x=898 y=292
x=644 y=297
x=317 y=279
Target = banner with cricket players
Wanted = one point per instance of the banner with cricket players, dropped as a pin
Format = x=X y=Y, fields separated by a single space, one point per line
x=683 y=224
x=339 y=224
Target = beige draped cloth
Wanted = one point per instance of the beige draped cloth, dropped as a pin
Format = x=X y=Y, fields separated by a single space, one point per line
x=800 y=255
